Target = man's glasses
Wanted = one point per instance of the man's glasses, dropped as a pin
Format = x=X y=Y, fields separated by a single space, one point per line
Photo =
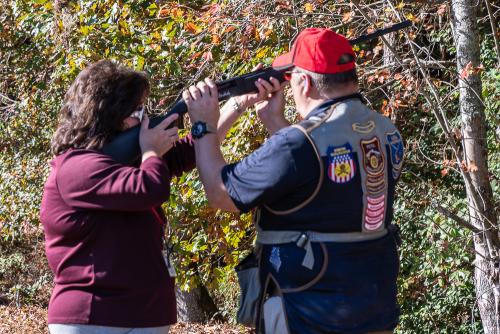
x=139 y=113
x=288 y=75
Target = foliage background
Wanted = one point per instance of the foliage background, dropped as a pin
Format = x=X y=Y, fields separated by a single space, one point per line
x=44 y=44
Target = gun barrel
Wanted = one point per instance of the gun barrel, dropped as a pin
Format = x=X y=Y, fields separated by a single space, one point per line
x=378 y=33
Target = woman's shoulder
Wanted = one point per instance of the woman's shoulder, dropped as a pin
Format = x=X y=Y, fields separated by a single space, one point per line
x=82 y=161
x=81 y=154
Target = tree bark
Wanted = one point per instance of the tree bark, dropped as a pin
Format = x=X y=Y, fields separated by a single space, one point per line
x=196 y=305
x=475 y=157
x=389 y=58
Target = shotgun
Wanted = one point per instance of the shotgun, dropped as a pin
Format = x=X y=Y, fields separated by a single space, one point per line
x=125 y=147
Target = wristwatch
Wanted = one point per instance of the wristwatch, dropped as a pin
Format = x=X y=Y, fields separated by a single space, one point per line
x=199 y=129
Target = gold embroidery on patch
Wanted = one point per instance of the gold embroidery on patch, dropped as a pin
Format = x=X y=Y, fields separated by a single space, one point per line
x=363 y=128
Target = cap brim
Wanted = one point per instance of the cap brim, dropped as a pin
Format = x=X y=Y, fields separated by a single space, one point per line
x=283 y=61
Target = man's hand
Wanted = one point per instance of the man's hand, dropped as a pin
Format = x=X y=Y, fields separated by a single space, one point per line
x=274 y=105
x=265 y=90
x=271 y=109
x=202 y=102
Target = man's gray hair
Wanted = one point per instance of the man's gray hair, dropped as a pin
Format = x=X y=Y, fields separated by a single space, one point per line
x=326 y=83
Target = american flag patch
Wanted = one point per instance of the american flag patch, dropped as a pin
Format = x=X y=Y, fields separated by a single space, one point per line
x=341 y=166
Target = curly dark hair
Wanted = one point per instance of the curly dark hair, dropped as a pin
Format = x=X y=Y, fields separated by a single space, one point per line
x=97 y=102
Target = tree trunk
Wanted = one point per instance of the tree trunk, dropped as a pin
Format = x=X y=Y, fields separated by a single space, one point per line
x=195 y=305
x=475 y=157
x=389 y=59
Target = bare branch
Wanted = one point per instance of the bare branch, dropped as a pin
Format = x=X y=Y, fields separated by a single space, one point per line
x=453 y=216
x=493 y=28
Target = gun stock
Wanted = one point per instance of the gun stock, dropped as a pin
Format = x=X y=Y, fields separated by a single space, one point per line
x=125 y=147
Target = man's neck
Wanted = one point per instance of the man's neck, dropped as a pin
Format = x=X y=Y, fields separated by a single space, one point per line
x=314 y=101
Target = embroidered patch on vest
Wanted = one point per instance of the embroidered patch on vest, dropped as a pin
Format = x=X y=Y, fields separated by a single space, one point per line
x=341 y=165
x=397 y=152
x=363 y=128
x=375 y=184
x=373 y=160
x=374 y=213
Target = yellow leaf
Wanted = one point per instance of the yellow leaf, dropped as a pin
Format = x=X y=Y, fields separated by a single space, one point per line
x=262 y=53
x=85 y=30
x=156 y=35
x=410 y=17
x=308 y=7
x=177 y=12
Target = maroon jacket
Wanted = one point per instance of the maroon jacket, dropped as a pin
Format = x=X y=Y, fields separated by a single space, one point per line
x=103 y=241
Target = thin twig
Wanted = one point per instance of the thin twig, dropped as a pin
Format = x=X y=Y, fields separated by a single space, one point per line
x=493 y=28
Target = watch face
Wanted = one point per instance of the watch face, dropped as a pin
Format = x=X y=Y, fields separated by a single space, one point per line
x=198 y=129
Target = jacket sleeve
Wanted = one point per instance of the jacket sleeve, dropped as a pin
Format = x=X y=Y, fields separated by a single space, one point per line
x=181 y=157
x=89 y=180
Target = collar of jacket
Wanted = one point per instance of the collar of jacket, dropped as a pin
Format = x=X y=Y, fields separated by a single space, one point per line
x=328 y=103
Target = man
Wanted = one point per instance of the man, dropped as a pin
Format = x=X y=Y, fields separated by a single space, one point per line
x=323 y=189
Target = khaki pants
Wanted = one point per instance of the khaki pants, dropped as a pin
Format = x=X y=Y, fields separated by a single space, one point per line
x=274 y=318
x=92 y=329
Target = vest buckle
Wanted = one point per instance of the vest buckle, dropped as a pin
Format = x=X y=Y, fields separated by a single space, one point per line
x=302 y=240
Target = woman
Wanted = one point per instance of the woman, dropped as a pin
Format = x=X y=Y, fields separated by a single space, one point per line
x=103 y=221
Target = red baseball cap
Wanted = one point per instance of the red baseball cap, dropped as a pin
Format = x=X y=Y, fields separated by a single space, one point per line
x=318 y=50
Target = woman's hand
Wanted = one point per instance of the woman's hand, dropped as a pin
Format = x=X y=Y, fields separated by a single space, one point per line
x=158 y=140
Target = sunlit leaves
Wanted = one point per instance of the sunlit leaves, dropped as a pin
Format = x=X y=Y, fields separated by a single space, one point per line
x=177 y=43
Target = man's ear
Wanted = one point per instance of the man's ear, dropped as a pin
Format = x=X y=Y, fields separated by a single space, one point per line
x=305 y=84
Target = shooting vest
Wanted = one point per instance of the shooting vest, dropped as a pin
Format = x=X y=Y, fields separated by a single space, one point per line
x=303 y=248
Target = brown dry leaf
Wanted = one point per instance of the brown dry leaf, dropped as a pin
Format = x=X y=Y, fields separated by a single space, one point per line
x=245 y=54
x=208 y=56
x=472 y=167
x=347 y=17
x=447 y=162
x=444 y=172
x=283 y=5
x=442 y=9
x=177 y=12
x=216 y=39
x=377 y=50
x=164 y=12
x=229 y=29
x=458 y=133
x=191 y=27
x=466 y=71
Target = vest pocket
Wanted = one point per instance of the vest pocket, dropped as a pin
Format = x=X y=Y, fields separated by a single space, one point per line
x=316 y=278
x=251 y=290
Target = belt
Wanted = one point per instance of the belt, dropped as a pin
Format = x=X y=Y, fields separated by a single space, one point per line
x=303 y=239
